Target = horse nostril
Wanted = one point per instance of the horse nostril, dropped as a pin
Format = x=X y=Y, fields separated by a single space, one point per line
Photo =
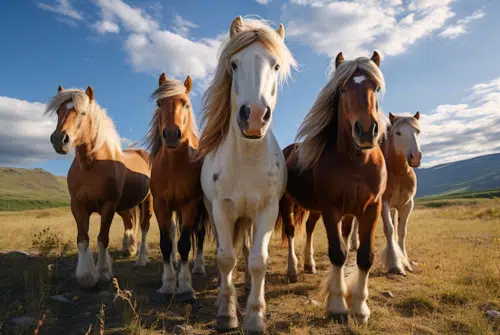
x=267 y=116
x=411 y=156
x=65 y=139
x=357 y=129
x=420 y=154
x=179 y=134
x=375 y=129
x=244 y=112
x=52 y=138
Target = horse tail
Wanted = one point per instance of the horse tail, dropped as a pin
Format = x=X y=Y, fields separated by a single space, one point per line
x=201 y=228
x=299 y=215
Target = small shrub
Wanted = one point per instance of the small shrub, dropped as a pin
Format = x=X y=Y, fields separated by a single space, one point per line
x=45 y=242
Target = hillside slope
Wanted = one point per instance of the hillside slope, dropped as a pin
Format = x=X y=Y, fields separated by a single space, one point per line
x=22 y=189
x=476 y=174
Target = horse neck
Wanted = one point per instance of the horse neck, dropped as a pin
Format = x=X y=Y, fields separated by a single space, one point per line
x=396 y=164
x=344 y=142
x=242 y=149
x=176 y=158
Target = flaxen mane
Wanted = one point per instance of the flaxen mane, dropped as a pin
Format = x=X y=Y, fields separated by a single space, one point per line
x=404 y=120
x=102 y=129
x=170 y=88
x=319 y=125
x=216 y=112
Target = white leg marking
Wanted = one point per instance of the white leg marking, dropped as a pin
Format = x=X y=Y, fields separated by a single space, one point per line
x=257 y=264
x=248 y=275
x=358 y=294
x=404 y=215
x=354 y=245
x=129 y=245
x=86 y=272
x=168 y=279
x=392 y=256
x=199 y=264
x=104 y=263
x=309 y=263
x=334 y=289
x=185 y=284
x=293 y=272
x=173 y=237
x=143 y=258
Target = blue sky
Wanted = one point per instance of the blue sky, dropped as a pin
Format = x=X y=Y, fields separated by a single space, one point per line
x=439 y=57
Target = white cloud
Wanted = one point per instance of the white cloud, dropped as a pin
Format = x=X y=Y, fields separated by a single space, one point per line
x=106 y=26
x=263 y=2
x=182 y=26
x=134 y=20
x=358 y=28
x=460 y=27
x=62 y=7
x=25 y=135
x=461 y=131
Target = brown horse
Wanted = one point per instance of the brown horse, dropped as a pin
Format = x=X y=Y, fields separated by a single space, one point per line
x=175 y=183
x=102 y=179
x=338 y=171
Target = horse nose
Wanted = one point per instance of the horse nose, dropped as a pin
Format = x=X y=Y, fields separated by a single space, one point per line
x=171 y=137
x=357 y=129
x=375 y=129
x=244 y=113
x=415 y=158
x=65 y=139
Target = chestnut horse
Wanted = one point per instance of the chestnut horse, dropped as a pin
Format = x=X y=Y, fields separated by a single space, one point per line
x=175 y=183
x=102 y=179
x=244 y=175
x=338 y=171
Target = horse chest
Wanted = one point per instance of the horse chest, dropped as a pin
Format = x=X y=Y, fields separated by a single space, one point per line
x=176 y=187
x=400 y=190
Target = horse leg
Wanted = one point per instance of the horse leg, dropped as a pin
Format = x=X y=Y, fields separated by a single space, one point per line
x=309 y=263
x=404 y=215
x=354 y=240
x=286 y=209
x=346 y=227
x=335 y=288
x=358 y=281
x=257 y=264
x=246 y=254
x=129 y=244
x=164 y=217
x=199 y=262
x=185 y=290
x=86 y=272
x=104 y=262
x=173 y=236
x=146 y=213
x=392 y=255
x=227 y=304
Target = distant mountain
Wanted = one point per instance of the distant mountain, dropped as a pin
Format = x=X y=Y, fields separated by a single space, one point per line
x=475 y=174
x=22 y=189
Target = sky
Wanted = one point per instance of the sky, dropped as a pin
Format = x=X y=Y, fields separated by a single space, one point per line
x=439 y=57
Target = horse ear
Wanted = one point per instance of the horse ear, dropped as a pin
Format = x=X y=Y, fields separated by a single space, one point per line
x=236 y=26
x=281 y=31
x=162 y=80
x=90 y=93
x=392 y=117
x=59 y=89
x=339 y=59
x=417 y=116
x=189 y=84
x=376 y=58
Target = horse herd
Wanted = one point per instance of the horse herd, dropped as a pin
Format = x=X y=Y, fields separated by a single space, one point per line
x=350 y=166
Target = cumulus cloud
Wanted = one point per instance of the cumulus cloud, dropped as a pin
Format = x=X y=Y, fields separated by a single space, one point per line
x=67 y=13
x=460 y=27
x=25 y=134
x=182 y=26
x=106 y=26
x=462 y=131
x=263 y=2
x=358 y=28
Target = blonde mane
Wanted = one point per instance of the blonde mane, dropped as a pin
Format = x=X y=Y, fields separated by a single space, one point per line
x=404 y=120
x=216 y=112
x=315 y=130
x=170 y=88
x=102 y=129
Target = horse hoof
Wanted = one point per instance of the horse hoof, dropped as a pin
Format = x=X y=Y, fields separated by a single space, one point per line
x=338 y=317
x=293 y=278
x=397 y=271
x=126 y=254
x=88 y=281
x=226 y=323
x=105 y=277
x=254 y=332
x=362 y=319
x=309 y=268
x=199 y=272
x=142 y=262
x=187 y=296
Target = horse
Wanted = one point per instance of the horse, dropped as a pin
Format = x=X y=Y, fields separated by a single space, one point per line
x=402 y=154
x=172 y=140
x=102 y=179
x=337 y=170
x=243 y=174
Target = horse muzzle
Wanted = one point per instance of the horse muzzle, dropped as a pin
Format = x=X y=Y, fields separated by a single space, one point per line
x=60 y=142
x=253 y=120
x=171 y=137
x=414 y=159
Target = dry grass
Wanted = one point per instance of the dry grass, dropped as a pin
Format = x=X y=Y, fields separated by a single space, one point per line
x=457 y=279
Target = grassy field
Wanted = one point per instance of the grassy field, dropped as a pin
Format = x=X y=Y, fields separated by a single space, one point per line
x=456 y=280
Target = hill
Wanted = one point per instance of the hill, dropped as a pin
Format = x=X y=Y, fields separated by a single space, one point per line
x=22 y=189
x=471 y=175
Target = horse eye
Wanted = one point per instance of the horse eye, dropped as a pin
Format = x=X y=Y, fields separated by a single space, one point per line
x=158 y=104
x=398 y=133
x=233 y=66
x=84 y=113
x=276 y=67
x=186 y=106
x=342 y=91
x=378 y=89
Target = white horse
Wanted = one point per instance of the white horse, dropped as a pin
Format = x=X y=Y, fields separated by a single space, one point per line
x=402 y=153
x=244 y=174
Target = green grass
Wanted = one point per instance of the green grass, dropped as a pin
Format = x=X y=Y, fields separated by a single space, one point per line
x=457 y=199
x=23 y=205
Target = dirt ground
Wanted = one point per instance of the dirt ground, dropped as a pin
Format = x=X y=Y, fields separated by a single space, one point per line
x=455 y=282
